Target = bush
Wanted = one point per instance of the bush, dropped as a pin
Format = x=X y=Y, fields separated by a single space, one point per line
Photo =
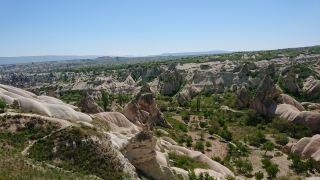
x=2 y=104
x=258 y=175
x=199 y=146
x=281 y=139
x=272 y=170
x=203 y=124
x=266 y=162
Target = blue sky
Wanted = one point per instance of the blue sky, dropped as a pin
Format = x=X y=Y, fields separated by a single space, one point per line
x=134 y=27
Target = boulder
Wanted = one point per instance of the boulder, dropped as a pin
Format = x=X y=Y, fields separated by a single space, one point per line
x=286 y=99
x=88 y=105
x=264 y=96
x=242 y=97
x=305 y=148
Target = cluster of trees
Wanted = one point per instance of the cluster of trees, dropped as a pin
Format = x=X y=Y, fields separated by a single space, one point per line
x=301 y=166
x=294 y=130
x=271 y=168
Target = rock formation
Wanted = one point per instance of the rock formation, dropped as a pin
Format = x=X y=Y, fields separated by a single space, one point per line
x=242 y=97
x=291 y=113
x=143 y=109
x=264 y=96
x=312 y=85
x=311 y=106
x=88 y=105
x=305 y=148
x=140 y=151
x=286 y=99
x=187 y=93
x=289 y=81
x=43 y=105
x=170 y=82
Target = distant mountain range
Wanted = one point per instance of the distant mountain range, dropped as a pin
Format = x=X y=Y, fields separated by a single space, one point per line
x=196 y=53
x=29 y=59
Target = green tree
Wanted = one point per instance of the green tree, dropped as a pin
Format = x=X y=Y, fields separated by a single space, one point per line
x=201 y=134
x=258 y=175
x=189 y=141
x=199 y=146
x=198 y=103
x=267 y=146
x=247 y=167
x=266 y=162
x=203 y=124
x=208 y=144
x=310 y=163
x=272 y=170
x=211 y=131
x=105 y=100
x=120 y=98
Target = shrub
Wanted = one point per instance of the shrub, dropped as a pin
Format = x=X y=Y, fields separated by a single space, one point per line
x=199 y=146
x=2 y=104
x=203 y=124
x=281 y=139
x=258 y=175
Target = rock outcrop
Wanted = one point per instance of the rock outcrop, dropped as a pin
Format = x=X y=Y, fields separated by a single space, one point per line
x=286 y=99
x=291 y=113
x=88 y=105
x=43 y=105
x=242 y=97
x=143 y=109
x=187 y=93
x=140 y=151
x=305 y=148
x=170 y=82
x=312 y=85
x=265 y=96
x=289 y=82
x=311 y=106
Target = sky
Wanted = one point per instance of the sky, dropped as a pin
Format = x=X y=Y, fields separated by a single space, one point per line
x=151 y=27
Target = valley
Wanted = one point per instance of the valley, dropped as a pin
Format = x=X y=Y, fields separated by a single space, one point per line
x=240 y=115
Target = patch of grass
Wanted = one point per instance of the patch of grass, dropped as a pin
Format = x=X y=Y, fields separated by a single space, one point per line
x=185 y=162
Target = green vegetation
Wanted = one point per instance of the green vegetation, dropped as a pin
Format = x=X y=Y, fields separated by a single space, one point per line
x=271 y=168
x=185 y=162
x=301 y=166
x=78 y=152
x=72 y=96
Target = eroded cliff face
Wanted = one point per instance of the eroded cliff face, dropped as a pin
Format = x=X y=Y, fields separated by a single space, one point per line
x=88 y=105
x=265 y=95
x=170 y=82
x=143 y=109
x=140 y=151
x=242 y=97
x=289 y=82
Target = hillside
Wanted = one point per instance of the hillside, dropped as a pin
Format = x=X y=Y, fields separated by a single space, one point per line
x=242 y=115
